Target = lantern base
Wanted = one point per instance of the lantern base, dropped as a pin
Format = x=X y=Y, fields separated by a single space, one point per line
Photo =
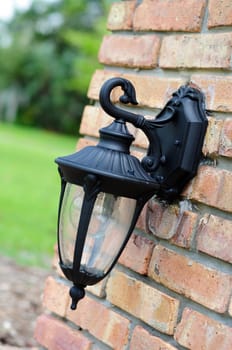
x=77 y=293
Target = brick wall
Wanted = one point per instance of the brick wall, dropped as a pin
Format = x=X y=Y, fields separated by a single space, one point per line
x=172 y=287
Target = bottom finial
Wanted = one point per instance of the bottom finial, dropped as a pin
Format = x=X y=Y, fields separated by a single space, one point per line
x=76 y=293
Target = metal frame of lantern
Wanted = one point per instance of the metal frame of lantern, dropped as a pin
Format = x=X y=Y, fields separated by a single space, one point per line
x=175 y=137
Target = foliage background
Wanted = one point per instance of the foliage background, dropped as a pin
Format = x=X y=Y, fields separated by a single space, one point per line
x=29 y=191
x=47 y=56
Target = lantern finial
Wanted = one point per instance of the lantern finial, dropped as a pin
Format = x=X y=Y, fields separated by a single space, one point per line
x=76 y=293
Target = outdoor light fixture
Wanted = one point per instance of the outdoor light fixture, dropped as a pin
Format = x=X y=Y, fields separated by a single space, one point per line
x=104 y=187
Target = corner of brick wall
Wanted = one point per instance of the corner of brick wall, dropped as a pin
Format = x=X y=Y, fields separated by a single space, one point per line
x=172 y=287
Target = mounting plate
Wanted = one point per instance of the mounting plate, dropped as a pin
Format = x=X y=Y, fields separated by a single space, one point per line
x=181 y=141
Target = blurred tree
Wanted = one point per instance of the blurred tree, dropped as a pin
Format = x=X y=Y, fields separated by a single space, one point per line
x=47 y=56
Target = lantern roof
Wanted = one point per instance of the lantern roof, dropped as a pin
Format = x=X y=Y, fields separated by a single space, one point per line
x=118 y=171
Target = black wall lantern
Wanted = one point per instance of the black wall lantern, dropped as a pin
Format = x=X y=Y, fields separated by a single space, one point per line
x=104 y=188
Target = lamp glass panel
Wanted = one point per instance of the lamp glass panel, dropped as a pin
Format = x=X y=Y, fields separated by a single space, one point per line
x=110 y=222
x=69 y=221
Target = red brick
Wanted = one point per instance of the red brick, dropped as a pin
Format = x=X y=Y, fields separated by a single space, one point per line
x=83 y=142
x=140 y=155
x=197 y=282
x=212 y=186
x=171 y=222
x=225 y=148
x=162 y=15
x=143 y=301
x=197 y=331
x=137 y=51
x=103 y=323
x=56 y=335
x=220 y=13
x=224 y=200
x=94 y=118
x=56 y=296
x=196 y=51
x=212 y=138
x=142 y=220
x=185 y=230
x=151 y=91
x=137 y=254
x=98 y=78
x=217 y=90
x=142 y=340
x=230 y=308
x=162 y=219
x=141 y=139
x=121 y=15
x=214 y=237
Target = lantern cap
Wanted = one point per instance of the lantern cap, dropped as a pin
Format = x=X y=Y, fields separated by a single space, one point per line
x=116 y=137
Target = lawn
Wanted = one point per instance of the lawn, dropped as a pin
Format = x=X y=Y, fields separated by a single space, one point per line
x=29 y=192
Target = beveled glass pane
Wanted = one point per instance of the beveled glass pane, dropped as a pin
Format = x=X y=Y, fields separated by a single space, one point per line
x=69 y=221
x=108 y=228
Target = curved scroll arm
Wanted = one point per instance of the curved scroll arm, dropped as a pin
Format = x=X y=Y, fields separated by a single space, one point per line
x=152 y=160
x=129 y=96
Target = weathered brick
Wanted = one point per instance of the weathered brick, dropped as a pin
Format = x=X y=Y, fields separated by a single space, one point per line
x=212 y=138
x=139 y=155
x=143 y=301
x=185 y=230
x=98 y=78
x=204 y=285
x=141 y=139
x=56 y=335
x=83 y=142
x=225 y=148
x=142 y=340
x=224 y=201
x=230 y=308
x=211 y=186
x=217 y=90
x=162 y=15
x=142 y=220
x=197 y=331
x=121 y=15
x=196 y=51
x=102 y=322
x=137 y=254
x=171 y=222
x=151 y=91
x=137 y=51
x=90 y=118
x=206 y=189
x=94 y=118
x=56 y=296
x=162 y=219
x=220 y=13
x=214 y=237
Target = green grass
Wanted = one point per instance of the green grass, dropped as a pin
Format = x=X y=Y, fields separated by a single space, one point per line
x=29 y=192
